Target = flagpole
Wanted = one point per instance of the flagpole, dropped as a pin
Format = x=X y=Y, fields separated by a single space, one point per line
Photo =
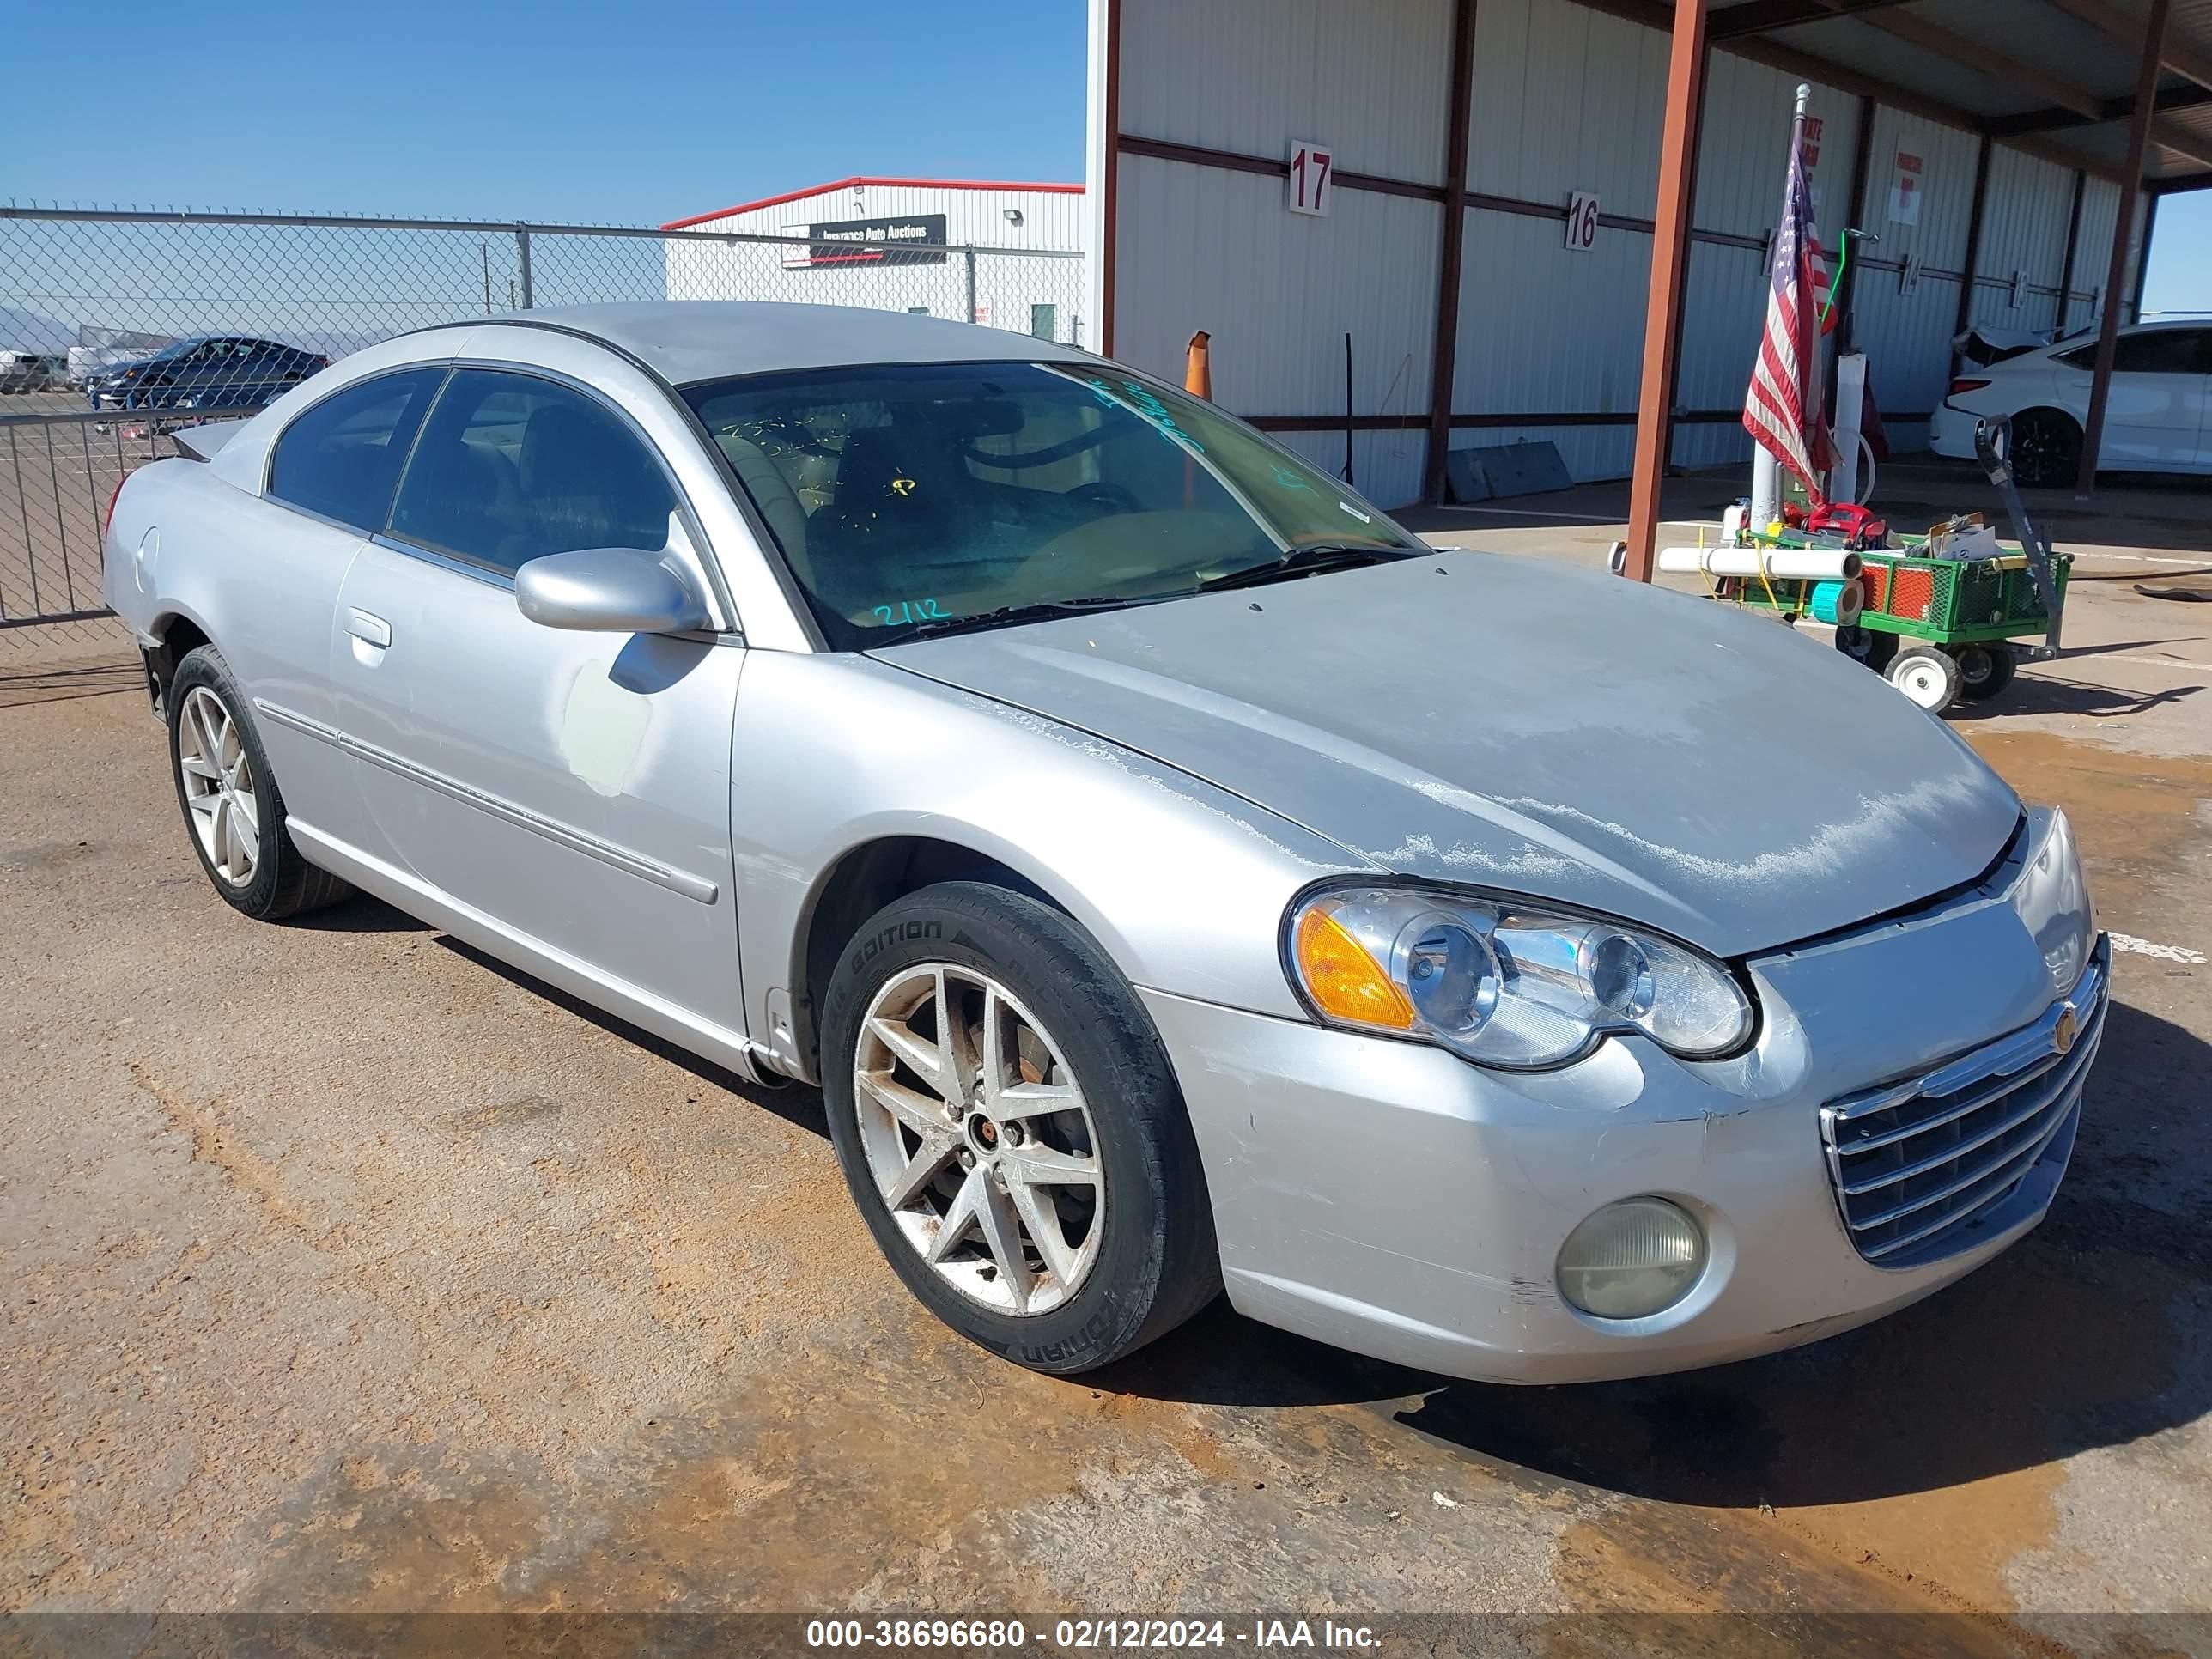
x=1765 y=471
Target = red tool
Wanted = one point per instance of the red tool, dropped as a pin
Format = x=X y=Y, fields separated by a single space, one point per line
x=1858 y=528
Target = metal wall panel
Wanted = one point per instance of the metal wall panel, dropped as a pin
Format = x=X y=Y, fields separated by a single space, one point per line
x=1589 y=452
x=1566 y=98
x=2100 y=211
x=2023 y=231
x=1743 y=144
x=1386 y=466
x=1541 y=328
x=1369 y=79
x=1206 y=249
x=1947 y=188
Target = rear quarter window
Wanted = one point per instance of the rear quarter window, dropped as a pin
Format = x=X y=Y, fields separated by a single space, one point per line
x=341 y=459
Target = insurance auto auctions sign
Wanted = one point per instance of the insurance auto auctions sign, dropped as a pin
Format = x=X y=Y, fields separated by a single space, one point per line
x=915 y=238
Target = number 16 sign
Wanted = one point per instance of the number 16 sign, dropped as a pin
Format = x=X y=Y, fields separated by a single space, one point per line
x=1312 y=178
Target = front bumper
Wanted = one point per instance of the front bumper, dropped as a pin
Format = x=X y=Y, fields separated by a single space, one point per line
x=1388 y=1198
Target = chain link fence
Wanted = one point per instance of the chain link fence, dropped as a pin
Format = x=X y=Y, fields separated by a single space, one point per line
x=118 y=328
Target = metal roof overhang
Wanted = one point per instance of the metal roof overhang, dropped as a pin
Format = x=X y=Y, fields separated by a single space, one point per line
x=2056 y=78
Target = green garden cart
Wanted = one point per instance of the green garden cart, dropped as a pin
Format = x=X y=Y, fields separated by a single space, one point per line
x=1941 y=629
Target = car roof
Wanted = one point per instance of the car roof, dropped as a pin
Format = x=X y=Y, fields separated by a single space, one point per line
x=686 y=341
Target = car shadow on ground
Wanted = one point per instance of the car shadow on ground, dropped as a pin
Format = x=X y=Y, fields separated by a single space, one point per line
x=794 y=1103
x=360 y=913
x=2076 y=1339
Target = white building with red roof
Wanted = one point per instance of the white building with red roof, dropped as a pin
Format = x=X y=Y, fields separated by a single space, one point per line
x=1007 y=255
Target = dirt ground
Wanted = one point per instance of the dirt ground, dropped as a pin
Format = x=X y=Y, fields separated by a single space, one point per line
x=348 y=1271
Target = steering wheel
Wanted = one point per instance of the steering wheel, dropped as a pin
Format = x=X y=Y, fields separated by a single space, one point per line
x=1113 y=497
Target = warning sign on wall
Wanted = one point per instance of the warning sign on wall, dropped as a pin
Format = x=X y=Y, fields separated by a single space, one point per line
x=1904 y=188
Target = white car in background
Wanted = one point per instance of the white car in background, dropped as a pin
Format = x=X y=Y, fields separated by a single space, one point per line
x=2154 y=415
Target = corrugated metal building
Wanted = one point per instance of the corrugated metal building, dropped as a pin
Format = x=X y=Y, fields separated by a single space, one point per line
x=1197 y=111
x=1003 y=254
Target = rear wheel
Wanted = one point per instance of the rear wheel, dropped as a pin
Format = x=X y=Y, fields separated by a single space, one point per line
x=1012 y=1131
x=2046 y=449
x=1985 y=669
x=1926 y=675
x=229 y=798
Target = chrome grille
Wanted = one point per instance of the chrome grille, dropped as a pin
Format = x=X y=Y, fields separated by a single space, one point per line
x=1934 y=1165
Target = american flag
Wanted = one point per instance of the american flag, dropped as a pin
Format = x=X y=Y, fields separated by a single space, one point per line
x=1785 y=409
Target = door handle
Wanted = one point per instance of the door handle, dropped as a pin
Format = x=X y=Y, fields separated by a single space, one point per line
x=368 y=627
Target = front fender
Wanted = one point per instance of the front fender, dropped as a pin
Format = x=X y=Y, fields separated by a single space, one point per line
x=1181 y=883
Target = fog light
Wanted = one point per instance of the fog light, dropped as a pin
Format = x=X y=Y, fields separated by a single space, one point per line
x=1636 y=1257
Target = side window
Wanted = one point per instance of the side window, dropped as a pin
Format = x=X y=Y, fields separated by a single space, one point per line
x=342 y=457
x=511 y=467
x=2161 y=351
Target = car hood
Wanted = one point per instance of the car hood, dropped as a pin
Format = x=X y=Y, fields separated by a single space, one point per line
x=1501 y=723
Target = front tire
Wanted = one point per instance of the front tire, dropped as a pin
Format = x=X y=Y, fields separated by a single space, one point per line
x=1010 y=1126
x=232 y=809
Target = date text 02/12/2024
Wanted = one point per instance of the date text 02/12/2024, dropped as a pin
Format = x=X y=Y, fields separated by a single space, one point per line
x=1084 y=1634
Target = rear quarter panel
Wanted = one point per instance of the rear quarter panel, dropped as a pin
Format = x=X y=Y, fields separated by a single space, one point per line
x=260 y=581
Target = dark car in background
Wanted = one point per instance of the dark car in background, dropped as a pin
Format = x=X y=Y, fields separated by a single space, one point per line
x=210 y=372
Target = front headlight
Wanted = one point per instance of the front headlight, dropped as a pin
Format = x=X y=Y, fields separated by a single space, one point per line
x=1503 y=983
x=2052 y=899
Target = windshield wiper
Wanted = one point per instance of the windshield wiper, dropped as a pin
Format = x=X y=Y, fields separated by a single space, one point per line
x=1309 y=559
x=1035 y=611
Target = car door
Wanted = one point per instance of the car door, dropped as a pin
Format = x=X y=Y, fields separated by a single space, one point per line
x=331 y=474
x=2154 y=412
x=572 y=790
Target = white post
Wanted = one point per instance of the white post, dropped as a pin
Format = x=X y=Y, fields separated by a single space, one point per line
x=1851 y=400
x=1765 y=471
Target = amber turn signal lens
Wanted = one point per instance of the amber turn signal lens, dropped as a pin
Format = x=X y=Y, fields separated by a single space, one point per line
x=1343 y=980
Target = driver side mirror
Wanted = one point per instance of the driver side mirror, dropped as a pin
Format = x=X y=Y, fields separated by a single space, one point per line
x=608 y=589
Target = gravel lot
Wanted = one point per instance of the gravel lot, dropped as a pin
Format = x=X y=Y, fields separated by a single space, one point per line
x=350 y=1270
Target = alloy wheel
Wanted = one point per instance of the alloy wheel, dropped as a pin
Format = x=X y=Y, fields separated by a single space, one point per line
x=979 y=1139
x=219 y=787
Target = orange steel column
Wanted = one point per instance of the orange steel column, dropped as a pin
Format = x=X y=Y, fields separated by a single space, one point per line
x=1662 y=310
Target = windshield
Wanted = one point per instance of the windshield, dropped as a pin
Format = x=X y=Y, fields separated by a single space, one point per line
x=913 y=497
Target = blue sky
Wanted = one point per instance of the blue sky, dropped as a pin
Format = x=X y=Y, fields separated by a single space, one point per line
x=2180 y=276
x=550 y=110
x=557 y=110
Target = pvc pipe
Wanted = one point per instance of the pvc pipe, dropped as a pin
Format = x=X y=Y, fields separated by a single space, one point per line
x=1839 y=603
x=1800 y=564
x=1765 y=488
x=1843 y=482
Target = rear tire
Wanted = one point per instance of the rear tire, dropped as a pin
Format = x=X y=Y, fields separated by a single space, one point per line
x=2046 y=449
x=1928 y=677
x=233 y=812
x=1985 y=669
x=955 y=1180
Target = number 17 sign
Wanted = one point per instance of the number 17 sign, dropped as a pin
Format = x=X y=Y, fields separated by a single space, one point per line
x=1312 y=178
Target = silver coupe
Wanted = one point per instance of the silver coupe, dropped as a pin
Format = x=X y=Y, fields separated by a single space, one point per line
x=1176 y=876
